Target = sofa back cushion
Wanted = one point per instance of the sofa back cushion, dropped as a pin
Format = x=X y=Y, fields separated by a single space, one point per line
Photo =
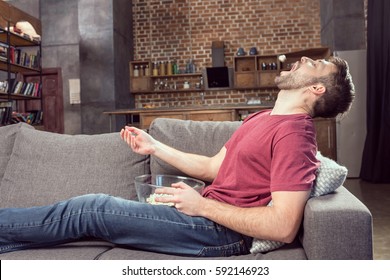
x=199 y=137
x=7 y=139
x=47 y=167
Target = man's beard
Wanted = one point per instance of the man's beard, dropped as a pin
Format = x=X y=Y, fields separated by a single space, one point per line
x=293 y=80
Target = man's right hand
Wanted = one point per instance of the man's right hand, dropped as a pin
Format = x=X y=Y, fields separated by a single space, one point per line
x=138 y=140
x=198 y=166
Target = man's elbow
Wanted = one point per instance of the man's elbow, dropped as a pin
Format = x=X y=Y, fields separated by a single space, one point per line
x=207 y=176
x=288 y=233
x=289 y=238
x=209 y=173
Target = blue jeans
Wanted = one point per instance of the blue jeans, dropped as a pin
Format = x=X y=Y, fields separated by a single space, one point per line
x=124 y=222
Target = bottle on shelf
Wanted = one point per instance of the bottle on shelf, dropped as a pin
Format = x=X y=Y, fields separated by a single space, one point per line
x=175 y=67
x=147 y=70
x=169 y=68
x=155 y=68
x=188 y=67
x=136 y=71
x=162 y=68
x=192 y=66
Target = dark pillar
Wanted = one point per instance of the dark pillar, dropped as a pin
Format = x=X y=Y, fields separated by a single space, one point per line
x=105 y=28
x=91 y=40
x=343 y=24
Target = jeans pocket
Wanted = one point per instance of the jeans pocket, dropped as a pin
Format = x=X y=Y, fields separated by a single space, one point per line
x=235 y=248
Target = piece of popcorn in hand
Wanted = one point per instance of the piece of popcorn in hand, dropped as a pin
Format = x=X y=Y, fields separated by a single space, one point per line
x=152 y=199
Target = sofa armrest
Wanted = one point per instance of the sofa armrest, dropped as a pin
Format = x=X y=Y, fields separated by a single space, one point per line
x=337 y=226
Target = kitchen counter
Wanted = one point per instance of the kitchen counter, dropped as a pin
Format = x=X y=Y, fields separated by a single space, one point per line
x=256 y=107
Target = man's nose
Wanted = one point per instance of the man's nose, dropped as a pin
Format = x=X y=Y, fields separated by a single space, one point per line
x=305 y=59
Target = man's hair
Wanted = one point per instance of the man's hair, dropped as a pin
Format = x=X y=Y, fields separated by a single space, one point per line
x=340 y=91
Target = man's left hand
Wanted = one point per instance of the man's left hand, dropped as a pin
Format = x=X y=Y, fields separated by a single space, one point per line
x=185 y=198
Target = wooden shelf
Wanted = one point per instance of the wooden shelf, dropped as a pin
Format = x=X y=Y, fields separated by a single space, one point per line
x=177 y=76
x=15 y=96
x=169 y=91
x=17 y=40
x=16 y=68
x=145 y=84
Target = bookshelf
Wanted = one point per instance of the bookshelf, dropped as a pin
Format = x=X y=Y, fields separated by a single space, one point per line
x=19 y=53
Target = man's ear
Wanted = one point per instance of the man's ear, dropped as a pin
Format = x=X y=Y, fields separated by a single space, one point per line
x=317 y=89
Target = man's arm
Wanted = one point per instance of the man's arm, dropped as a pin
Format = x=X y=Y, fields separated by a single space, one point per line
x=279 y=222
x=198 y=166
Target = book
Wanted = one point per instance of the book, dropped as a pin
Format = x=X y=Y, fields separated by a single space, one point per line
x=33 y=117
x=5 y=112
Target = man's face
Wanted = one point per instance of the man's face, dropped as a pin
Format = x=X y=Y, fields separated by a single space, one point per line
x=304 y=73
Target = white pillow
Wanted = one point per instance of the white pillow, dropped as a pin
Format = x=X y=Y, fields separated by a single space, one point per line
x=330 y=176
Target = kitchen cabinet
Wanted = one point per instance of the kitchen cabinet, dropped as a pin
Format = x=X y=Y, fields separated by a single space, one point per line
x=194 y=115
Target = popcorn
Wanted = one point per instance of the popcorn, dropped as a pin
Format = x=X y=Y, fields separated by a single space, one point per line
x=282 y=58
x=152 y=199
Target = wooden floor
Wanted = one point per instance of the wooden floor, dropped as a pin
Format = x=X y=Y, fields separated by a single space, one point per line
x=377 y=198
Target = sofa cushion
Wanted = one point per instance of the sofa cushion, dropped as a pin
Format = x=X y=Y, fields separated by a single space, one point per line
x=201 y=137
x=7 y=139
x=78 y=250
x=47 y=167
x=292 y=251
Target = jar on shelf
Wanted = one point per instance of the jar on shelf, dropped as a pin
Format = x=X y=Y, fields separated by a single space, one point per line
x=136 y=71
x=155 y=69
x=147 y=70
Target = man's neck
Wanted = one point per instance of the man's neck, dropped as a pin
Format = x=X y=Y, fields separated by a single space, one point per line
x=291 y=102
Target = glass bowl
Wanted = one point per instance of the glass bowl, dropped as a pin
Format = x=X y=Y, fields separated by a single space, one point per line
x=145 y=186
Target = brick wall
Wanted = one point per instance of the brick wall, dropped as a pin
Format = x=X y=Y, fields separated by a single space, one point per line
x=181 y=29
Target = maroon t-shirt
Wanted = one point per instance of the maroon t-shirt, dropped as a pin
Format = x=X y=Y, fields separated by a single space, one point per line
x=267 y=153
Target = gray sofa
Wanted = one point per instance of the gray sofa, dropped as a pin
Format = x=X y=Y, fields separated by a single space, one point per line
x=37 y=168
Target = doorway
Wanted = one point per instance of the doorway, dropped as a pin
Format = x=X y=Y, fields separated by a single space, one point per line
x=52 y=103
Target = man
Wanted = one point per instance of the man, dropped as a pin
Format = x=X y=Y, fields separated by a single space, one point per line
x=271 y=156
